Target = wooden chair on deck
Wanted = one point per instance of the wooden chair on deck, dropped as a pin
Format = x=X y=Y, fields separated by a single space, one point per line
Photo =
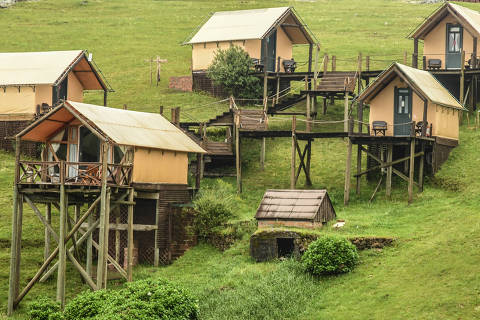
x=379 y=127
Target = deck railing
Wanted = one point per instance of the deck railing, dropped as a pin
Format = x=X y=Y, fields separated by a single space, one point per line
x=72 y=173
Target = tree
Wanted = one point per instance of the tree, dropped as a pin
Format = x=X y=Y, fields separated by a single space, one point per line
x=231 y=70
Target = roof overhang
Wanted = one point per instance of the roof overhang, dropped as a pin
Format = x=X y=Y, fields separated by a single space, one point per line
x=437 y=16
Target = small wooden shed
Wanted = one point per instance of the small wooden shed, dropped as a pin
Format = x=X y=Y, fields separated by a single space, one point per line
x=447 y=32
x=266 y=34
x=295 y=208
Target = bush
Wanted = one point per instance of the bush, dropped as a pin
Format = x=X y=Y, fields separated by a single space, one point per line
x=44 y=309
x=231 y=69
x=330 y=255
x=144 y=299
x=213 y=206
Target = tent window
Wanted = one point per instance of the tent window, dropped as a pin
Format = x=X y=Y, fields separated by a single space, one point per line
x=89 y=146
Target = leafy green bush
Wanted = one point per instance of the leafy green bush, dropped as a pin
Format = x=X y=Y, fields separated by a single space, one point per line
x=44 y=309
x=213 y=206
x=230 y=69
x=330 y=255
x=144 y=299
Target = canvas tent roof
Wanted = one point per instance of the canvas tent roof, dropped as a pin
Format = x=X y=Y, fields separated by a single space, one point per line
x=467 y=17
x=291 y=204
x=51 y=67
x=422 y=82
x=123 y=127
x=251 y=24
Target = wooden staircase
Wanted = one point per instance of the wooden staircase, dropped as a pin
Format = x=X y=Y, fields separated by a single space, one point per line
x=286 y=103
x=337 y=82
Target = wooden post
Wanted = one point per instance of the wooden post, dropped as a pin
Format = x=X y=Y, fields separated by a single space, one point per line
x=238 y=159
x=105 y=98
x=117 y=236
x=359 y=167
x=48 y=218
x=474 y=92
x=315 y=76
x=389 y=170
x=14 y=252
x=102 y=233
x=420 y=169
x=89 y=261
x=367 y=63
x=405 y=58
x=424 y=120
x=130 y=236
x=360 y=60
x=262 y=154
x=294 y=145
x=462 y=77
x=62 y=258
x=310 y=51
x=161 y=110
x=277 y=95
x=309 y=157
x=325 y=63
x=265 y=79
x=348 y=166
x=334 y=63
x=125 y=107
x=411 y=170
x=156 y=250
x=177 y=116
x=415 y=53
x=309 y=118
x=424 y=62
x=474 y=54
x=325 y=105
x=345 y=113
x=197 y=171
x=172 y=115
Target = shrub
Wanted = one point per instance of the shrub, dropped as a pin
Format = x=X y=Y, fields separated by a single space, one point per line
x=44 y=309
x=330 y=255
x=213 y=206
x=230 y=69
x=144 y=299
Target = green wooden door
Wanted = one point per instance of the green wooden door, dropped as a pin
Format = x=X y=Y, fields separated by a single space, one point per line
x=403 y=112
x=453 y=54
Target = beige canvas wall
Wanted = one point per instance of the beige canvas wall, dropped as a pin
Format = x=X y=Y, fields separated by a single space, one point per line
x=43 y=94
x=160 y=166
x=446 y=122
x=74 y=88
x=17 y=101
x=381 y=107
x=204 y=53
x=434 y=43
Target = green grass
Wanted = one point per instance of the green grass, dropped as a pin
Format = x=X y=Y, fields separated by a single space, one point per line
x=430 y=273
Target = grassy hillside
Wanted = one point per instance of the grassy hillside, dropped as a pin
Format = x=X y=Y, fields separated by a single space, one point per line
x=431 y=272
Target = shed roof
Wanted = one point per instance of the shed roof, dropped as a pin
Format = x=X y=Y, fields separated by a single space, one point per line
x=51 y=67
x=469 y=18
x=252 y=24
x=422 y=82
x=123 y=127
x=291 y=204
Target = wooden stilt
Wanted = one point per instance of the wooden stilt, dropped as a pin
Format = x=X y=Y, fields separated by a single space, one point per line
x=420 y=169
x=88 y=263
x=156 y=250
x=130 y=237
x=462 y=78
x=308 y=126
x=238 y=159
x=262 y=154
x=389 y=171
x=309 y=156
x=197 y=171
x=294 y=145
x=48 y=219
x=117 y=236
x=348 y=166
x=325 y=105
x=359 y=167
x=102 y=252
x=411 y=171
x=345 y=113
x=106 y=242
x=61 y=243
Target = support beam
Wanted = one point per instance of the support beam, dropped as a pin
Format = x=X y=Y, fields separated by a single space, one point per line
x=309 y=118
x=265 y=79
x=48 y=219
x=62 y=245
x=359 y=168
x=424 y=120
x=421 y=166
x=348 y=166
x=238 y=158
x=474 y=54
x=345 y=113
x=415 y=53
x=292 y=161
x=89 y=260
x=388 y=188
x=411 y=170
x=102 y=260
x=262 y=154
x=14 y=270
x=130 y=238
x=105 y=98
x=462 y=77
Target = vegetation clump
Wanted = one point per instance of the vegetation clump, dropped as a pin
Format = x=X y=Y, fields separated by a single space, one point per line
x=144 y=299
x=213 y=206
x=231 y=70
x=330 y=255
